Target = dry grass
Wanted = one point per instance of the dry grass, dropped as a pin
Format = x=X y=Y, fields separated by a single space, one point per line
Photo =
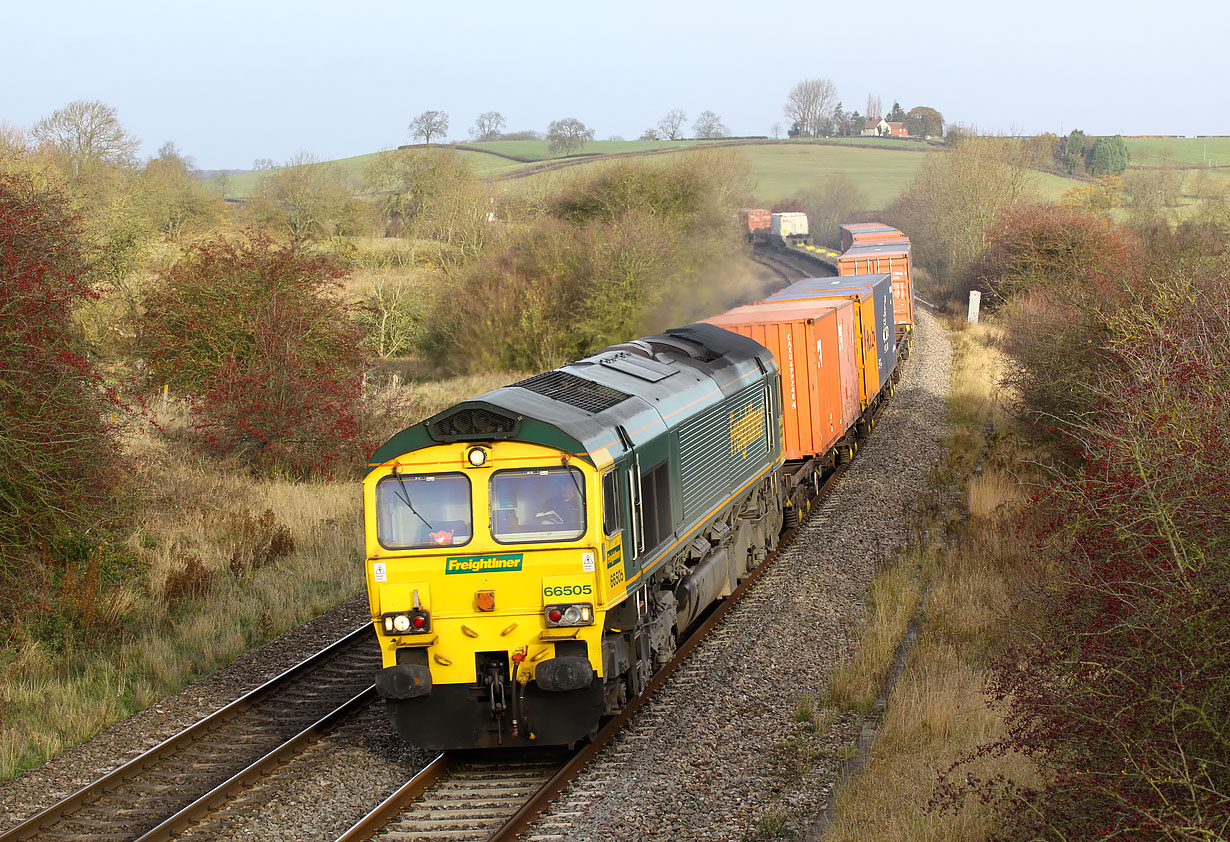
x=937 y=711
x=893 y=600
x=214 y=575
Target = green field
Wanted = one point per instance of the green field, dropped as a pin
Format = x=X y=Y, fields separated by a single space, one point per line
x=485 y=166
x=1178 y=151
x=781 y=169
x=778 y=169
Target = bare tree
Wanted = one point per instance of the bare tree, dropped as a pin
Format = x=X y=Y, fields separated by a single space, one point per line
x=669 y=126
x=709 y=125
x=874 y=110
x=429 y=124
x=488 y=126
x=568 y=135
x=776 y=128
x=86 y=132
x=305 y=198
x=12 y=140
x=809 y=102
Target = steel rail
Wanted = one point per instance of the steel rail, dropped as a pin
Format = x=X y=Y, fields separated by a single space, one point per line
x=410 y=792
x=101 y=786
x=239 y=781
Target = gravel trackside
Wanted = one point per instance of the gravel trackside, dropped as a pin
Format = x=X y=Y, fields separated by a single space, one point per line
x=719 y=745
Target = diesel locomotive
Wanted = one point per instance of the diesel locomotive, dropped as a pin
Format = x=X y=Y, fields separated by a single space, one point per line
x=534 y=554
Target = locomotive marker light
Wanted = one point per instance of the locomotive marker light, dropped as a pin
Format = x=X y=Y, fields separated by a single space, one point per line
x=476 y=456
x=576 y=614
x=407 y=622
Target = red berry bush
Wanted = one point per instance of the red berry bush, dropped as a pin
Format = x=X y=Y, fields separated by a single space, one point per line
x=255 y=333
x=58 y=459
x=1120 y=690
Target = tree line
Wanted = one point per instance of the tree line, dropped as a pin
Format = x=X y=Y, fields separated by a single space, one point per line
x=812 y=107
x=814 y=110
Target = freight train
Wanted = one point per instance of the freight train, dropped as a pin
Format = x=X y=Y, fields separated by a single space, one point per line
x=535 y=553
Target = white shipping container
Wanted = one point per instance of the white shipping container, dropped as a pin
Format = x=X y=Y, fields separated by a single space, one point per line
x=789 y=224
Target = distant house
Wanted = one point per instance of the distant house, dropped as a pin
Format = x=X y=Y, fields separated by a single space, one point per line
x=883 y=128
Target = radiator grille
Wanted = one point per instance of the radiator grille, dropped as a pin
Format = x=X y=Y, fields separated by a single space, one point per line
x=574 y=391
x=473 y=423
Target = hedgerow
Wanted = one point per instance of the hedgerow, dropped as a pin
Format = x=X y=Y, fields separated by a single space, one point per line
x=1119 y=685
x=58 y=457
x=253 y=332
x=1059 y=270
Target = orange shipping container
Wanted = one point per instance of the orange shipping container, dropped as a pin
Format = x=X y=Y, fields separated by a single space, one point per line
x=812 y=342
x=888 y=258
x=756 y=219
x=869 y=233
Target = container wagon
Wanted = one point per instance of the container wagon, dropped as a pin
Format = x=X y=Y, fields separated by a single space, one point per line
x=869 y=233
x=876 y=348
x=789 y=227
x=756 y=221
x=813 y=345
x=892 y=259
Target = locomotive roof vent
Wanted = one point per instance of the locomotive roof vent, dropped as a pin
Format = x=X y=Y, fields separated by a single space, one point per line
x=677 y=340
x=574 y=391
x=472 y=423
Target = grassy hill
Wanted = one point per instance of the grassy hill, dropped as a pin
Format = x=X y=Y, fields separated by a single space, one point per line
x=1178 y=151
x=779 y=168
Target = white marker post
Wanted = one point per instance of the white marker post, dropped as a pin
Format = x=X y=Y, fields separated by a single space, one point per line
x=975 y=298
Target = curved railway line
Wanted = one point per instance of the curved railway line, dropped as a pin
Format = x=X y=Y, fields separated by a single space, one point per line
x=792 y=265
x=194 y=775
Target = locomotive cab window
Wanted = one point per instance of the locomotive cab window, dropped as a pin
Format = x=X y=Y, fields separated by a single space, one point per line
x=612 y=517
x=538 y=504
x=423 y=510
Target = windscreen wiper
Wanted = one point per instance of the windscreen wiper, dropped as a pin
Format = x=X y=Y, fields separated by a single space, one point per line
x=573 y=477
x=404 y=496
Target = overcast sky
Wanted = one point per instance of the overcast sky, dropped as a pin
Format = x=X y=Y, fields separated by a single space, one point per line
x=231 y=81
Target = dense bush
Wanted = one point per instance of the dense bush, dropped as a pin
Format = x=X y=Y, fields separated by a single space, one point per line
x=58 y=459
x=253 y=331
x=1121 y=691
x=1061 y=270
x=626 y=249
x=957 y=198
x=1119 y=685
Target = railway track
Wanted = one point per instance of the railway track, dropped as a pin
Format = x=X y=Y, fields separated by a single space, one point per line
x=464 y=796
x=176 y=782
x=791 y=266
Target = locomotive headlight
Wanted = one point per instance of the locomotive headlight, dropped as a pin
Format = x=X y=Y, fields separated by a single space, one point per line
x=576 y=614
x=476 y=456
x=401 y=623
